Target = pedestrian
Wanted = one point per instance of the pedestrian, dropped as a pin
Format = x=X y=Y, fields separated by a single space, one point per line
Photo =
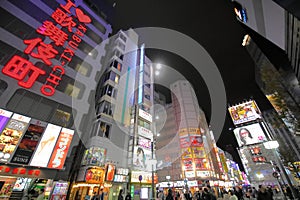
x=25 y=195
x=161 y=195
x=128 y=196
x=206 y=195
x=169 y=196
x=263 y=194
x=225 y=195
x=41 y=194
x=101 y=195
x=232 y=195
x=120 y=197
x=95 y=196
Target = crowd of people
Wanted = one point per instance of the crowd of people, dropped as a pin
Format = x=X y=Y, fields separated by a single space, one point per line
x=235 y=193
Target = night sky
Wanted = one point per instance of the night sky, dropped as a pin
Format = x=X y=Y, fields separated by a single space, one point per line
x=213 y=25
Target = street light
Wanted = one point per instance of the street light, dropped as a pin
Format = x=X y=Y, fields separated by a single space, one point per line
x=273 y=145
x=168 y=178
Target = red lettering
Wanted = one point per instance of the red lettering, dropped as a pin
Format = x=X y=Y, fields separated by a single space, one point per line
x=78 y=32
x=54 y=33
x=81 y=27
x=30 y=172
x=76 y=38
x=48 y=90
x=37 y=172
x=19 y=68
x=22 y=171
x=63 y=19
x=15 y=171
x=68 y=6
x=59 y=68
x=69 y=56
x=73 y=44
x=7 y=169
x=53 y=79
x=44 y=51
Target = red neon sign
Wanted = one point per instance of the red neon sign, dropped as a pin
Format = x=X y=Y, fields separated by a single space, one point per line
x=26 y=73
x=19 y=171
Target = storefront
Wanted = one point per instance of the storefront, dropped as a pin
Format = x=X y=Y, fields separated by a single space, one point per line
x=140 y=184
x=90 y=180
x=121 y=180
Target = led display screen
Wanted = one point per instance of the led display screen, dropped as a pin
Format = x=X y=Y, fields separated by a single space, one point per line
x=250 y=134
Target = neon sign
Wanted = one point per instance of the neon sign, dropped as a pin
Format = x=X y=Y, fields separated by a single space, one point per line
x=26 y=73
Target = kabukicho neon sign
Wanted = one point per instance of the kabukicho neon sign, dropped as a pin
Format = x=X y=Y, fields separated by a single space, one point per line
x=26 y=73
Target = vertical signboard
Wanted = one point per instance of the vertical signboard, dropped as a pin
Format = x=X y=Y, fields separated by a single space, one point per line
x=11 y=135
x=45 y=147
x=4 y=117
x=29 y=142
x=61 y=149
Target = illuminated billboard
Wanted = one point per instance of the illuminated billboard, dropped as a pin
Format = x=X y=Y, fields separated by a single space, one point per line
x=44 y=150
x=141 y=159
x=61 y=149
x=94 y=156
x=250 y=134
x=244 y=112
x=4 y=117
x=11 y=135
x=29 y=142
x=110 y=172
x=146 y=177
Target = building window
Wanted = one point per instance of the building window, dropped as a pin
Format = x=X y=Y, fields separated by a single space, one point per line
x=105 y=107
x=117 y=65
x=118 y=54
x=108 y=90
x=114 y=77
x=95 y=22
x=39 y=107
x=147 y=96
x=3 y=86
x=104 y=130
x=122 y=37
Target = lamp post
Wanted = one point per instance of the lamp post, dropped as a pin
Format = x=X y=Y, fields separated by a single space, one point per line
x=168 y=178
x=273 y=145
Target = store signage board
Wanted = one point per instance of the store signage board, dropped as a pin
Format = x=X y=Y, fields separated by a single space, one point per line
x=145 y=115
x=26 y=73
x=244 y=112
x=29 y=142
x=61 y=149
x=11 y=135
x=44 y=150
x=145 y=132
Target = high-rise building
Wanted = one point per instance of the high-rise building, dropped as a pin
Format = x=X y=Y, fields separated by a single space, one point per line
x=273 y=22
x=50 y=56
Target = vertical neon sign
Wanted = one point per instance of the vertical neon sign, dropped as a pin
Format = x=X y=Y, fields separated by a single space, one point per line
x=141 y=74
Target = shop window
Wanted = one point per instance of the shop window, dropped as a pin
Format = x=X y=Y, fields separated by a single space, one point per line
x=104 y=129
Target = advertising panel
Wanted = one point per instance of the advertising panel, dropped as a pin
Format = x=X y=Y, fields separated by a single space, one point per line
x=194 y=131
x=29 y=142
x=4 y=117
x=198 y=152
x=244 y=112
x=141 y=159
x=200 y=164
x=44 y=150
x=189 y=174
x=250 y=134
x=110 y=172
x=144 y=143
x=94 y=156
x=196 y=141
x=184 y=142
x=145 y=132
x=145 y=115
x=203 y=173
x=146 y=177
x=188 y=164
x=186 y=153
x=94 y=175
x=21 y=183
x=11 y=136
x=61 y=149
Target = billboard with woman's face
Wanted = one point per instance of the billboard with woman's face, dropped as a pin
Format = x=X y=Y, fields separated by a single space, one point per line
x=250 y=134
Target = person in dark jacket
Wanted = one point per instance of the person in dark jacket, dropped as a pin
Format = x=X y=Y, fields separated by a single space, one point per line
x=263 y=194
x=206 y=194
x=169 y=196
x=120 y=197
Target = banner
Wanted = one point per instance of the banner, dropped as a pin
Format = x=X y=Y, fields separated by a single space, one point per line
x=4 y=117
x=141 y=159
x=11 y=135
x=61 y=149
x=44 y=150
x=29 y=142
x=250 y=134
x=244 y=112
